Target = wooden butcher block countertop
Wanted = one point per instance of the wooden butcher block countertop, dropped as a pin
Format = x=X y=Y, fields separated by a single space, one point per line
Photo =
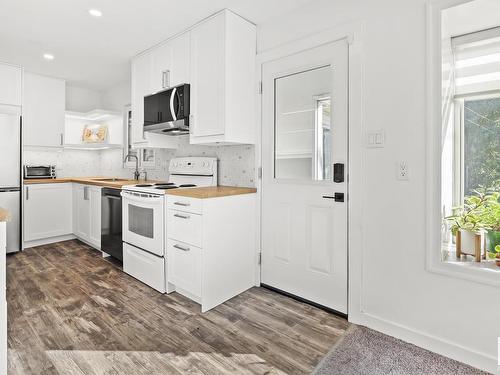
x=211 y=192
x=98 y=181
x=4 y=214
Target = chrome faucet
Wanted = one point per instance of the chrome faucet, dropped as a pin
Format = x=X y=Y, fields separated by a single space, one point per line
x=137 y=174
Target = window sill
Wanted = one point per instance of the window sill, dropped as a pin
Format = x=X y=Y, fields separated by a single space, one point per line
x=466 y=268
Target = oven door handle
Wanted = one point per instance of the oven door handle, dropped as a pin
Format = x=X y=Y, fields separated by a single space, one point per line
x=140 y=198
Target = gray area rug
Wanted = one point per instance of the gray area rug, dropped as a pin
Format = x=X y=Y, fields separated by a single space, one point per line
x=367 y=352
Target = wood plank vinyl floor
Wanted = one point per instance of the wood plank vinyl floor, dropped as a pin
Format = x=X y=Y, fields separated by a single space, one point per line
x=72 y=312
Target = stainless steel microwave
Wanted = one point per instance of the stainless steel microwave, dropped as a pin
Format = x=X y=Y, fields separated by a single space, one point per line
x=39 y=171
x=167 y=111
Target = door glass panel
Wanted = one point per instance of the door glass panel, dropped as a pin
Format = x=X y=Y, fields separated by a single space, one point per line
x=302 y=125
x=140 y=220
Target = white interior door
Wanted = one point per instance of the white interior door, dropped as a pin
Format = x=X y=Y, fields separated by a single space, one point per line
x=304 y=133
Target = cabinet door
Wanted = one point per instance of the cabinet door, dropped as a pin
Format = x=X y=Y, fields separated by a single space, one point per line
x=141 y=72
x=161 y=70
x=184 y=267
x=43 y=111
x=95 y=216
x=10 y=84
x=47 y=211
x=82 y=227
x=207 y=77
x=180 y=59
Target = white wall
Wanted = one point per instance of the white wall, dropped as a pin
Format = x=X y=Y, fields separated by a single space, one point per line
x=81 y=99
x=398 y=295
x=117 y=97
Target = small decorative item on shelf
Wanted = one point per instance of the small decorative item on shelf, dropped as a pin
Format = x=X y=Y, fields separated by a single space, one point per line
x=479 y=215
x=95 y=133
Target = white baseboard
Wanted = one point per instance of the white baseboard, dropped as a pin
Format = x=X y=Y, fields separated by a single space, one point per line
x=46 y=241
x=435 y=344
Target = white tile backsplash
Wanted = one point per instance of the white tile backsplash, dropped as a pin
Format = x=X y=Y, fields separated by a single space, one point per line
x=236 y=163
x=69 y=163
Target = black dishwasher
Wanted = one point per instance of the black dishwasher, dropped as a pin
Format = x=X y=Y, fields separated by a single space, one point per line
x=111 y=222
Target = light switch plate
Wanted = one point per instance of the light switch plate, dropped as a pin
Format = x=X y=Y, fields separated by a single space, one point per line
x=375 y=139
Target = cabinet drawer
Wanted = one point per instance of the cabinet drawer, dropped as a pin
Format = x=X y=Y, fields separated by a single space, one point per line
x=184 y=267
x=144 y=266
x=185 y=227
x=186 y=204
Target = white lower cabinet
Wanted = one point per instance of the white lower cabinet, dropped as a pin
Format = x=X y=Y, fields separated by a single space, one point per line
x=47 y=211
x=211 y=254
x=87 y=213
x=184 y=268
x=146 y=267
x=95 y=216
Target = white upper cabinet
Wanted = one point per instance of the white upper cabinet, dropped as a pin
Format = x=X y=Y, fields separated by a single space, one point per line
x=180 y=59
x=170 y=63
x=43 y=111
x=217 y=58
x=161 y=68
x=141 y=72
x=10 y=84
x=223 y=50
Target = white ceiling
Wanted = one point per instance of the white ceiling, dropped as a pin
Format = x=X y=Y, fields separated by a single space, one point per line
x=95 y=52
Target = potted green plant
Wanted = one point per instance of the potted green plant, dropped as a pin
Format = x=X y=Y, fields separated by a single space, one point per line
x=495 y=254
x=470 y=221
x=491 y=217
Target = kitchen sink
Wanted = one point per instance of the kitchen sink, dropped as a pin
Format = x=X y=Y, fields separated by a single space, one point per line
x=110 y=179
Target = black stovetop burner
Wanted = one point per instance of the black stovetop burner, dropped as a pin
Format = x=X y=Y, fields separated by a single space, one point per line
x=143 y=185
x=166 y=187
x=164 y=184
x=187 y=185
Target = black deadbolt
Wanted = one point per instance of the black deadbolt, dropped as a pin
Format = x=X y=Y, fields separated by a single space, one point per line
x=338 y=172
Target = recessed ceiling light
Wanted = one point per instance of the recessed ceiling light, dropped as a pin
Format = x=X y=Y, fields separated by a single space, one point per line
x=48 y=56
x=95 y=12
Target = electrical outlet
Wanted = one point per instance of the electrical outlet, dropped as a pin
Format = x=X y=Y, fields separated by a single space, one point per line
x=402 y=171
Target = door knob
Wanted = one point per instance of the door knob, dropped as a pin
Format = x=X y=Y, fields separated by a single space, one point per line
x=337 y=197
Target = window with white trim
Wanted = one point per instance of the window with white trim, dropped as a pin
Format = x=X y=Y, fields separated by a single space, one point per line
x=471 y=132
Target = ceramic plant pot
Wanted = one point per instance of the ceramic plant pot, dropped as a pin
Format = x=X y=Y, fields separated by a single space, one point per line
x=492 y=240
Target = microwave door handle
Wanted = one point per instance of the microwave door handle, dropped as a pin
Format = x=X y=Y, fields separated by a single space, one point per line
x=172 y=109
x=178 y=109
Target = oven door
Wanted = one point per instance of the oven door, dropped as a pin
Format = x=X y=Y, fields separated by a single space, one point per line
x=143 y=221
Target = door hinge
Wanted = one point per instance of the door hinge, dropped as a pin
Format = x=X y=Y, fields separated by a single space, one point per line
x=260 y=87
x=259 y=259
x=259 y=172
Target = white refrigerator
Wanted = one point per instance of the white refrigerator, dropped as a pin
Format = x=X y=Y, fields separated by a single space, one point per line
x=10 y=173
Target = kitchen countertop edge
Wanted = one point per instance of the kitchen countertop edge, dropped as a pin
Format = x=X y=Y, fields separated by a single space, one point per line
x=211 y=192
x=86 y=181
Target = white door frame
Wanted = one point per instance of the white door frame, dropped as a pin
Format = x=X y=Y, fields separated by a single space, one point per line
x=353 y=33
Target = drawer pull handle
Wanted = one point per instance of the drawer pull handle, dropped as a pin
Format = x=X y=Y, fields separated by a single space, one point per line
x=181 y=248
x=182 y=204
x=182 y=216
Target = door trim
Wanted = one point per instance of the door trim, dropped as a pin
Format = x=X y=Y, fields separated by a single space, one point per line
x=353 y=33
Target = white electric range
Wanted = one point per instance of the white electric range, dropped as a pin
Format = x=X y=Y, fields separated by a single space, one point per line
x=144 y=218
